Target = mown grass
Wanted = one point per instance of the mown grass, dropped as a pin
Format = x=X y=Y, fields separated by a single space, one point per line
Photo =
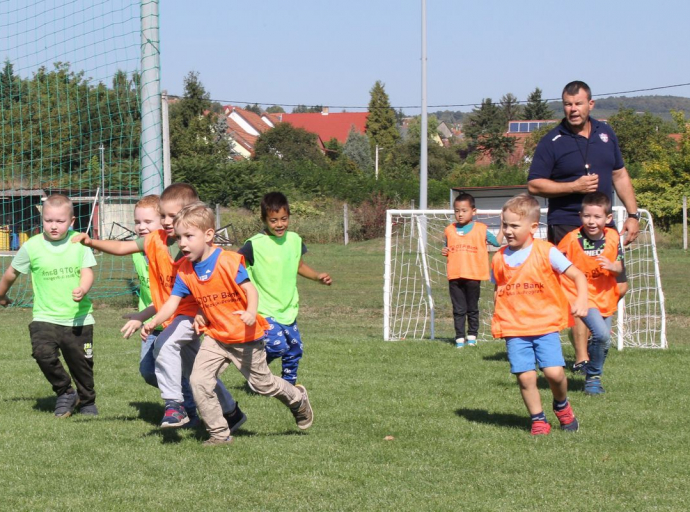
x=412 y=425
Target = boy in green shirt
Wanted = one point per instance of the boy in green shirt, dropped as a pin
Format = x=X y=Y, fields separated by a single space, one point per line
x=273 y=260
x=62 y=321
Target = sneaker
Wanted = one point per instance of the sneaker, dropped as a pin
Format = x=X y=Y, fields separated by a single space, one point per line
x=175 y=416
x=580 y=367
x=304 y=416
x=89 y=410
x=567 y=419
x=540 y=428
x=217 y=441
x=193 y=422
x=593 y=386
x=460 y=343
x=235 y=419
x=66 y=402
x=471 y=341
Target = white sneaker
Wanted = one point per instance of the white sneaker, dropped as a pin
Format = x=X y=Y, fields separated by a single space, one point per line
x=460 y=343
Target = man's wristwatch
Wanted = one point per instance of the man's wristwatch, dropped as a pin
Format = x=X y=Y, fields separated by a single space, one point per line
x=635 y=215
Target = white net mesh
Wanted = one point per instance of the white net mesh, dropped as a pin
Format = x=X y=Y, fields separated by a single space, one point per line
x=416 y=298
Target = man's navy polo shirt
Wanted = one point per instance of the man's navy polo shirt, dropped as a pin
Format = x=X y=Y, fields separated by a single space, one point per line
x=560 y=157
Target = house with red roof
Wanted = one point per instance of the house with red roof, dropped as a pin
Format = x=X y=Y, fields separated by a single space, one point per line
x=328 y=125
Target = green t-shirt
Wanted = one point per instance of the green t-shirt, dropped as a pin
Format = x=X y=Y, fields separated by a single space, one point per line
x=274 y=273
x=141 y=266
x=55 y=269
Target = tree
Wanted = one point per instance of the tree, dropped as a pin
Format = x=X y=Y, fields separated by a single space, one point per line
x=486 y=127
x=275 y=109
x=381 y=126
x=485 y=120
x=358 y=150
x=289 y=144
x=537 y=108
x=640 y=136
x=303 y=109
x=665 y=177
x=511 y=107
x=254 y=108
x=414 y=129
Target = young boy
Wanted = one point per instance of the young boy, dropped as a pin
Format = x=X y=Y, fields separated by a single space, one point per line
x=147 y=219
x=176 y=347
x=531 y=308
x=274 y=259
x=61 y=277
x=217 y=280
x=468 y=265
x=596 y=250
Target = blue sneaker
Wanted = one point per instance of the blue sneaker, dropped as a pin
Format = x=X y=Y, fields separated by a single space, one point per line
x=593 y=386
x=175 y=416
x=471 y=341
x=460 y=343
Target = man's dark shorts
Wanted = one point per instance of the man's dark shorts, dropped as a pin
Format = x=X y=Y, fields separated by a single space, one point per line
x=555 y=234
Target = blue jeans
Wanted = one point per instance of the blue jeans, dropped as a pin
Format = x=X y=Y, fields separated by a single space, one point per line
x=599 y=345
x=147 y=369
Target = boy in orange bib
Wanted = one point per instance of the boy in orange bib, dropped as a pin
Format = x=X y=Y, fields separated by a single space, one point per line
x=218 y=282
x=595 y=249
x=468 y=265
x=531 y=308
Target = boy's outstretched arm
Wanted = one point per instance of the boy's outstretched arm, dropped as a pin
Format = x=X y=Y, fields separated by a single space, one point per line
x=167 y=310
x=136 y=320
x=8 y=279
x=579 y=309
x=85 y=284
x=249 y=315
x=306 y=271
x=116 y=247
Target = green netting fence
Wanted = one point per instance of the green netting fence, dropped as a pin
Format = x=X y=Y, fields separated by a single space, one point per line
x=71 y=90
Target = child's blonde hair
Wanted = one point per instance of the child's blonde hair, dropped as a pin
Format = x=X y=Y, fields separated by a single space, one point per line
x=197 y=215
x=525 y=206
x=182 y=193
x=58 y=201
x=150 y=201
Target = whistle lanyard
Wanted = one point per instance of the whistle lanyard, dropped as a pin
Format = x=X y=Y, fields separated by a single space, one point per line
x=586 y=153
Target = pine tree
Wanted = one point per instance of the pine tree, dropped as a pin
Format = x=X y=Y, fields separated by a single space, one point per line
x=511 y=107
x=536 y=108
x=381 y=126
x=358 y=150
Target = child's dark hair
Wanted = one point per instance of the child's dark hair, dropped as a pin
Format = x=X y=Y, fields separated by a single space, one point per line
x=183 y=193
x=273 y=202
x=464 y=196
x=598 y=199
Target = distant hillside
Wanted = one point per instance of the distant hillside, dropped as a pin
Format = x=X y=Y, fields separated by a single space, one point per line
x=605 y=107
x=658 y=105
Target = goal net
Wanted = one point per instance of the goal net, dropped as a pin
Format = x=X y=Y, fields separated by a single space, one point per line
x=416 y=298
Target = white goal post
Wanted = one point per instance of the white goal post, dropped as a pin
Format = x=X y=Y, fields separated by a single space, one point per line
x=415 y=292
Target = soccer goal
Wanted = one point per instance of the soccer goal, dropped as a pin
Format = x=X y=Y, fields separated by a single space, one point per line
x=415 y=294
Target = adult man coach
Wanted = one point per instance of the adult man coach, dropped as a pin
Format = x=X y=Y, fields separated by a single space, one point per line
x=579 y=156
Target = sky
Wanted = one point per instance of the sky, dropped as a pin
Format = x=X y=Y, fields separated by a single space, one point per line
x=320 y=52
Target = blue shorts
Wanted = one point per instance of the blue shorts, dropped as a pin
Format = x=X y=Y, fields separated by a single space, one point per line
x=524 y=351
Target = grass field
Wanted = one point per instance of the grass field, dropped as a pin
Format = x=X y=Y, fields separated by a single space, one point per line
x=413 y=425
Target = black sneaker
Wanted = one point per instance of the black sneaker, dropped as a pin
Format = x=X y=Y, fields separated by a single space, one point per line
x=66 y=402
x=304 y=416
x=89 y=410
x=235 y=419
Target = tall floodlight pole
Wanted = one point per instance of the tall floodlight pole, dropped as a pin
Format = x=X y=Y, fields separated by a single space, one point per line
x=423 y=142
x=151 y=140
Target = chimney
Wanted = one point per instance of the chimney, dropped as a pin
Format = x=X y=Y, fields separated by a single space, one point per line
x=324 y=111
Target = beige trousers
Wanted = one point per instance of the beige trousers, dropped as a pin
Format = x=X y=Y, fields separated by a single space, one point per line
x=250 y=359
